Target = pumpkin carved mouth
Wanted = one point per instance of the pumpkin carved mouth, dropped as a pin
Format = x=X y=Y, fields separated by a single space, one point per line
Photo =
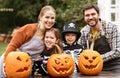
x=21 y=70
x=62 y=70
x=91 y=66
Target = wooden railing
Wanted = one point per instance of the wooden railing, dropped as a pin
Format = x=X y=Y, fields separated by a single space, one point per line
x=5 y=38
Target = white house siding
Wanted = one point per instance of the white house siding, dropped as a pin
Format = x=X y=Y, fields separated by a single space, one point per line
x=106 y=10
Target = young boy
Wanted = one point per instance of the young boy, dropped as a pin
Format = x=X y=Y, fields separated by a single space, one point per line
x=70 y=36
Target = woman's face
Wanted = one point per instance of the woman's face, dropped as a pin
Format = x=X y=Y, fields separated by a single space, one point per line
x=50 y=39
x=48 y=19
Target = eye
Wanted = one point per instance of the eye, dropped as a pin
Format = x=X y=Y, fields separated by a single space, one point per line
x=52 y=17
x=47 y=17
x=87 y=15
x=86 y=57
x=18 y=58
x=93 y=14
x=94 y=57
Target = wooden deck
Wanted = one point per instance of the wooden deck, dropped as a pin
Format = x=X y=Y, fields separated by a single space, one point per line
x=103 y=74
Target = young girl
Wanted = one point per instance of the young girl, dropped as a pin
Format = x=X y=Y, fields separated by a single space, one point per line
x=70 y=36
x=51 y=38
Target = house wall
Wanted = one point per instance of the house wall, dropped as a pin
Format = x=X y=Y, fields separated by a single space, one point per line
x=106 y=10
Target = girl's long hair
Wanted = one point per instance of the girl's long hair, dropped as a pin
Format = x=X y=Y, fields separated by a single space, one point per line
x=58 y=37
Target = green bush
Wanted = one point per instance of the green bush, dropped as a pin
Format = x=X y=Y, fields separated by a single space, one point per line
x=2 y=47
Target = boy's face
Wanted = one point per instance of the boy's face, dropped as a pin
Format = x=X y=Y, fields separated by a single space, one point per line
x=70 y=38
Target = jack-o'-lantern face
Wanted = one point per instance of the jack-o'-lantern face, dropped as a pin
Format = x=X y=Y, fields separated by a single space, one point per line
x=18 y=65
x=60 y=65
x=90 y=62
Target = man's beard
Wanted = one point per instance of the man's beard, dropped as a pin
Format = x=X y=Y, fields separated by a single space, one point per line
x=93 y=24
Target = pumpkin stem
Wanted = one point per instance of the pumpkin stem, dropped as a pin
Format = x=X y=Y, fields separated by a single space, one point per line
x=94 y=37
x=59 y=50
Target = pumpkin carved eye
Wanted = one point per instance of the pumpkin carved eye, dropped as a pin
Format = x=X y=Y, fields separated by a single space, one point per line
x=27 y=60
x=18 y=58
x=86 y=57
x=94 y=57
x=66 y=60
x=57 y=60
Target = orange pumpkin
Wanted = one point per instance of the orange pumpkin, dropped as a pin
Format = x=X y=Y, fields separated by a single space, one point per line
x=90 y=62
x=18 y=65
x=60 y=65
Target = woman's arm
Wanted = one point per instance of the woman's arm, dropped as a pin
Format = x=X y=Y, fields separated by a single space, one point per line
x=23 y=35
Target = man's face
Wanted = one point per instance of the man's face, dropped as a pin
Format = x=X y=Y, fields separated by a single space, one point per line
x=91 y=17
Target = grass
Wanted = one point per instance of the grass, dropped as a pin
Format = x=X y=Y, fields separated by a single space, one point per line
x=2 y=47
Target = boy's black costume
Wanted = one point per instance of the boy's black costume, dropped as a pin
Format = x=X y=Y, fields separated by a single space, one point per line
x=75 y=49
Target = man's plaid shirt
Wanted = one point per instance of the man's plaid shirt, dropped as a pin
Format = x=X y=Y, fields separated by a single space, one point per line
x=112 y=34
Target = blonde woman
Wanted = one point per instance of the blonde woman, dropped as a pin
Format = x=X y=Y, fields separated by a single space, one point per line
x=29 y=38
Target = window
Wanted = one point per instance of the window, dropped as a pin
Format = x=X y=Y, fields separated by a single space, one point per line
x=113 y=2
x=113 y=17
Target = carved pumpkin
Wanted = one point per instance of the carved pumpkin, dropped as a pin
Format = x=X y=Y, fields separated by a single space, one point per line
x=60 y=65
x=17 y=65
x=90 y=61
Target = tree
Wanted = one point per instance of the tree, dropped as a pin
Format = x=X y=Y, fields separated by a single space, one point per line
x=26 y=11
x=70 y=10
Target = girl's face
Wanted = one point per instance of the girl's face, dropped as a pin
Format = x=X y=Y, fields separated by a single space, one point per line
x=50 y=39
x=70 y=38
x=48 y=19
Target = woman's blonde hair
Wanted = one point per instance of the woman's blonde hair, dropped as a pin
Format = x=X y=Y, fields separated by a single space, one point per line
x=40 y=32
x=46 y=8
